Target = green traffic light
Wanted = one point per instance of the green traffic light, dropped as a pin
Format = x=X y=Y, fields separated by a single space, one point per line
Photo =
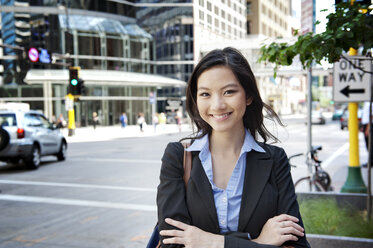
x=74 y=82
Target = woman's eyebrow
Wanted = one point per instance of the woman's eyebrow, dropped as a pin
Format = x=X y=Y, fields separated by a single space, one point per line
x=234 y=85
x=202 y=88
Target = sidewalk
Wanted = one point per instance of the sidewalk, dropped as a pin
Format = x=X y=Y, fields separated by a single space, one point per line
x=102 y=133
x=338 y=168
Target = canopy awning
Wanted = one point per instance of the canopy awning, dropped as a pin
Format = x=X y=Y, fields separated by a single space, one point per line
x=100 y=24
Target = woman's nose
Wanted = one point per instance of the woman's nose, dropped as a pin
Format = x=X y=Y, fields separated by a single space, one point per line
x=218 y=103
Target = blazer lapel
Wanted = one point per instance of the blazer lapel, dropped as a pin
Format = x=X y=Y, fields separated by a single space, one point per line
x=204 y=189
x=258 y=169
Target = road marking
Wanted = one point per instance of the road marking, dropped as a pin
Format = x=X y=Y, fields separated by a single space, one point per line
x=340 y=151
x=82 y=203
x=120 y=160
x=76 y=185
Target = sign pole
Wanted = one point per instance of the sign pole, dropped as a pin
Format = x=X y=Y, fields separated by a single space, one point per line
x=71 y=114
x=354 y=182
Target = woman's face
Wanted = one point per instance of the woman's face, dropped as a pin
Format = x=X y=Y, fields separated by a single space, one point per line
x=221 y=100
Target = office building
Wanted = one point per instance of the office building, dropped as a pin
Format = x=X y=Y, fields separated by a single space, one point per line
x=102 y=37
x=268 y=17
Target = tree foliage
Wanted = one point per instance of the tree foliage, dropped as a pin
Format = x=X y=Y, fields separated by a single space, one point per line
x=349 y=26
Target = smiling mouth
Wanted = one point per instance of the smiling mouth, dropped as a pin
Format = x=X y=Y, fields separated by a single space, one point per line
x=221 y=116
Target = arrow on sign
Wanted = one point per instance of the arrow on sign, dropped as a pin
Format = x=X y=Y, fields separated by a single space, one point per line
x=346 y=91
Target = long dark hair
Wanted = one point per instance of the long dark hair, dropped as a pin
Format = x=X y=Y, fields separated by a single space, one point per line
x=253 y=117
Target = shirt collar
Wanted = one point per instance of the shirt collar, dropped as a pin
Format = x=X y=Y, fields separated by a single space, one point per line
x=248 y=144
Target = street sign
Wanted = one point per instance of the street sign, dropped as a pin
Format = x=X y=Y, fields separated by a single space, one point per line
x=352 y=84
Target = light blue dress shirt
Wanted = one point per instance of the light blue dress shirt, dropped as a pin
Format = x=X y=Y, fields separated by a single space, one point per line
x=227 y=201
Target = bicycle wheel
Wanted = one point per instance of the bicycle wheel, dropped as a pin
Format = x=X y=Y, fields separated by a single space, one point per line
x=303 y=184
x=325 y=180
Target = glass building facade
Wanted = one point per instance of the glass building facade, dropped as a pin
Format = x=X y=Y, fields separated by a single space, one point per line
x=102 y=37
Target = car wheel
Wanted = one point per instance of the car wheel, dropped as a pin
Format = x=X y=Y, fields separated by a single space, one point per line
x=4 y=138
x=61 y=155
x=33 y=161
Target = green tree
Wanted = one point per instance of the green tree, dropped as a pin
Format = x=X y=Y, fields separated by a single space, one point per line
x=349 y=26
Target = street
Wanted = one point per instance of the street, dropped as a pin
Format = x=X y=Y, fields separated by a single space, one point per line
x=104 y=194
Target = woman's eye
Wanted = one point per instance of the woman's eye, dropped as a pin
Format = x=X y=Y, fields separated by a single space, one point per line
x=229 y=92
x=204 y=94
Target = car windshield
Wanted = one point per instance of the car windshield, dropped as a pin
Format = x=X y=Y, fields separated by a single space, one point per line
x=8 y=120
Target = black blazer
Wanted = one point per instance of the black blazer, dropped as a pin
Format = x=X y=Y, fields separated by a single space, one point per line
x=268 y=191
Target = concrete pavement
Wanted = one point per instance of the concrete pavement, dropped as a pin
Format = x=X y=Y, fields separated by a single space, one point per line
x=101 y=133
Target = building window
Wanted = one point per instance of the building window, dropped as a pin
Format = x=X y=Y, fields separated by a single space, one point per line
x=264 y=29
x=264 y=9
x=201 y=3
x=248 y=27
x=201 y=15
x=209 y=19
x=235 y=21
x=270 y=14
x=229 y=29
x=234 y=7
x=209 y=7
x=248 y=8
x=223 y=26
x=229 y=17
x=216 y=23
x=216 y=10
x=223 y=14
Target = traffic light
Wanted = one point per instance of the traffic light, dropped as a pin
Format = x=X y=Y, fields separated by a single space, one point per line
x=80 y=86
x=76 y=84
x=73 y=80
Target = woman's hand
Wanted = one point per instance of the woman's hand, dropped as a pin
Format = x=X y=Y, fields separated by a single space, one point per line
x=191 y=236
x=280 y=229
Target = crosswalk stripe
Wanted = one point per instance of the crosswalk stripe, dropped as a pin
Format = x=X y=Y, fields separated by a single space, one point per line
x=76 y=185
x=82 y=203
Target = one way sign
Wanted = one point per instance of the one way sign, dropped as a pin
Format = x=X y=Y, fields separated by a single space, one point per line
x=352 y=84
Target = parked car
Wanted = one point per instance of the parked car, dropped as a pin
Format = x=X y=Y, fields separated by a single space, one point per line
x=337 y=114
x=317 y=117
x=28 y=135
x=344 y=119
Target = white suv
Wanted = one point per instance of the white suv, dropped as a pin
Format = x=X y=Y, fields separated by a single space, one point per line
x=28 y=135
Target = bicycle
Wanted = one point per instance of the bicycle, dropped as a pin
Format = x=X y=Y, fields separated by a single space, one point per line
x=319 y=179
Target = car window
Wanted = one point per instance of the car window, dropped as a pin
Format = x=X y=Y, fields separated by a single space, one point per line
x=44 y=121
x=32 y=120
x=8 y=120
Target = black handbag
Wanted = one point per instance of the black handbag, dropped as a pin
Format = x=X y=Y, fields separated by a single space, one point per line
x=154 y=241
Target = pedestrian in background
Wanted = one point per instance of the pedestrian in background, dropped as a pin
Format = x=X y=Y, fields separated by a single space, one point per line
x=365 y=127
x=141 y=121
x=162 y=120
x=94 y=119
x=240 y=192
x=61 y=123
x=179 y=119
x=123 y=120
x=155 y=121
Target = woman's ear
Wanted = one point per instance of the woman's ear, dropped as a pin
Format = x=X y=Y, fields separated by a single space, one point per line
x=249 y=101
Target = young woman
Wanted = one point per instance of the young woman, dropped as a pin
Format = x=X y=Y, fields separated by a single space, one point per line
x=240 y=192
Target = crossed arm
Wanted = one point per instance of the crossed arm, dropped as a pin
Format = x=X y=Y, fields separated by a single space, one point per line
x=276 y=231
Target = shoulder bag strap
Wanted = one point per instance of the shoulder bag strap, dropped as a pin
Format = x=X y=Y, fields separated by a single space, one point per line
x=187 y=163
